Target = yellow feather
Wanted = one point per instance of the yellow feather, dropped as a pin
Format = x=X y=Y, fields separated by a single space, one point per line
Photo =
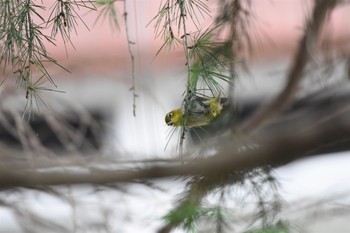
x=196 y=118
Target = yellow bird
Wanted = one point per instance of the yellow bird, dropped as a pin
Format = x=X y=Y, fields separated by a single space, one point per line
x=200 y=113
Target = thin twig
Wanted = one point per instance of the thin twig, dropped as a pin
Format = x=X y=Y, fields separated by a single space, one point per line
x=132 y=57
x=188 y=64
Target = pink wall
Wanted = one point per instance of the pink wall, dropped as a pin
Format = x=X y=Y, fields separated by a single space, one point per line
x=278 y=24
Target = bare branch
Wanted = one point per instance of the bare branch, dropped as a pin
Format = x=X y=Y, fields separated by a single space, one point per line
x=306 y=47
x=279 y=149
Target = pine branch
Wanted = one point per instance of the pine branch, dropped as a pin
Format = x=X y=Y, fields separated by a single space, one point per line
x=189 y=91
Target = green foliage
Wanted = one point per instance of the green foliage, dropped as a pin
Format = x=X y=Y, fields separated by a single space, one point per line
x=108 y=10
x=189 y=214
x=22 y=41
x=185 y=215
x=280 y=227
x=64 y=18
x=207 y=63
x=250 y=188
x=210 y=64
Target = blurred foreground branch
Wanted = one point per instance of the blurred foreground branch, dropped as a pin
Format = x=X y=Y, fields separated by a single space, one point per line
x=307 y=46
x=280 y=149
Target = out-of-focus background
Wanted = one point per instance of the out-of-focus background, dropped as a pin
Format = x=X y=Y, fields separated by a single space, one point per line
x=98 y=89
x=100 y=65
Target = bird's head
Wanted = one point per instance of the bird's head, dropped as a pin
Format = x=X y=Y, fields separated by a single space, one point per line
x=174 y=118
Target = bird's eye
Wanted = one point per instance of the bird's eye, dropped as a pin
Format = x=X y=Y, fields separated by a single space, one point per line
x=168 y=118
x=170 y=115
